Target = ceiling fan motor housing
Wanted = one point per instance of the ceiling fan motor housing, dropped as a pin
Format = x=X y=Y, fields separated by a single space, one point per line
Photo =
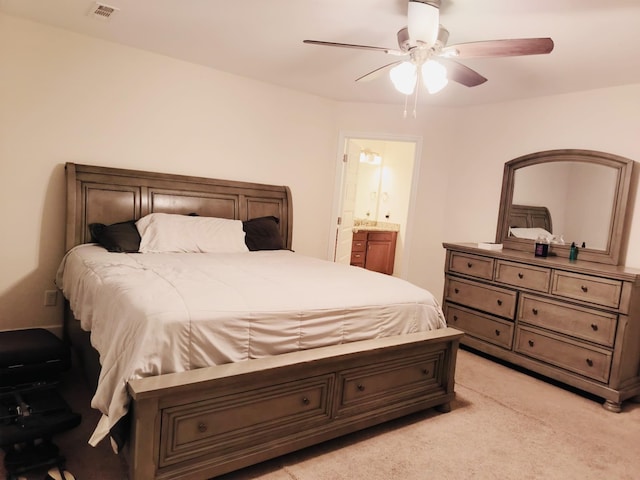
x=405 y=43
x=433 y=3
x=423 y=18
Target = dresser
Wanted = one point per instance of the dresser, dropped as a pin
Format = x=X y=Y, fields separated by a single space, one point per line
x=574 y=322
x=374 y=250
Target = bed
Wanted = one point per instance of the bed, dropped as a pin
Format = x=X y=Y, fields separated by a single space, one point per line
x=220 y=413
x=529 y=216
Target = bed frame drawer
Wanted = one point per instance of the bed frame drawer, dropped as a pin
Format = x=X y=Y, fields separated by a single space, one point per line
x=227 y=423
x=388 y=384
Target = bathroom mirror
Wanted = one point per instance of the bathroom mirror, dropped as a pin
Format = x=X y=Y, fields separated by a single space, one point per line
x=577 y=196
x=371 y=199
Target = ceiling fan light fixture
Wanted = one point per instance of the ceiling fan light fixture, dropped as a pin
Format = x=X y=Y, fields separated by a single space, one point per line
x=372 y=158
x=423 y=20
x=404 y=77
x=434 y=76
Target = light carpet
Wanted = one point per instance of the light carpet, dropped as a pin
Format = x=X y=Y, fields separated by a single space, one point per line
x=504 y=424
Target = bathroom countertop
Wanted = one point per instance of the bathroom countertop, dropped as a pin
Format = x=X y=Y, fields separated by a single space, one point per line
x=372 y=226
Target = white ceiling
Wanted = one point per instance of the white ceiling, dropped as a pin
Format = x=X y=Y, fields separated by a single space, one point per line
x=596 y=41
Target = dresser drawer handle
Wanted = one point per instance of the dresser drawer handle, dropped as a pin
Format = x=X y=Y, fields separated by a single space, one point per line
x=305 y=401
x=584 y=289
x=531 y=344
x=520 y=276
x=534 y=311
x=455 y=318
x=497 y=332
x=455 y=290
x=469 y=264
x=594 y=327
x=202 y=427
x=589 y=362
x=425 y=371
x=357 y=255
x=499 y=302
x=360 y=387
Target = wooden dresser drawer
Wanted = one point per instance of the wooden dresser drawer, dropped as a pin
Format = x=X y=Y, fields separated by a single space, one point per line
x=357 y=258
x=591 y=362
x=375 y=236
x=359 y=242
x=474 y=265
x=493 y=330
x=602 y=291
x=523 y=276
x=211 y=427
x=490 y=299
x=379 y=386
x=584 y=323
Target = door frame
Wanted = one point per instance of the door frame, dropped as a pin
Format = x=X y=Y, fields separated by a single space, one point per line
x=336 y=209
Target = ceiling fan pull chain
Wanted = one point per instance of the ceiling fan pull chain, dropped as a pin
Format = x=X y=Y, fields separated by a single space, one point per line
x=406 y=101
x=415 y=99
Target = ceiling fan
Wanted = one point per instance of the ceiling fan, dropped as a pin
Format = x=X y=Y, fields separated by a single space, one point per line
x=423 y=44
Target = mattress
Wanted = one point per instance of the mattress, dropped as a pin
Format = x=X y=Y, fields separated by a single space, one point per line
x=151 y=314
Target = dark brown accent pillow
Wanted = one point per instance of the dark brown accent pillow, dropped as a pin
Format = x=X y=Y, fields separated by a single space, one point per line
x=120 y=237
x=263 y=233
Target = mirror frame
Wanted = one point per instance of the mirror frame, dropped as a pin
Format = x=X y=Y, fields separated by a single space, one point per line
x=617 y=229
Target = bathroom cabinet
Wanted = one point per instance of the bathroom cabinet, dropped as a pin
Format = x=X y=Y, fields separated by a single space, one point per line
x=374 y=250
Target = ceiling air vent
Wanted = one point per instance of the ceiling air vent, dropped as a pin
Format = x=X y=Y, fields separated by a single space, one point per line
x=102 y=11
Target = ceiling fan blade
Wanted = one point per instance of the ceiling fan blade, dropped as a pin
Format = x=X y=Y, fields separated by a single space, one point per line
x=462 y=74
x=390 y=51
x=372 y=75
x=499 y=48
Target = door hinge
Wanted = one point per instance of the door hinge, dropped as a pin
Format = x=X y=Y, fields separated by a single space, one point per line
x=339 y=220
x=345 y=158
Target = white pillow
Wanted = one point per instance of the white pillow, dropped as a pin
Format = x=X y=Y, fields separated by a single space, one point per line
x=165 y=232
x=530 y=233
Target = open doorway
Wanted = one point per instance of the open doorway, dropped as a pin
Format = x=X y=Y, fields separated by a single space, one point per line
x=376 y=181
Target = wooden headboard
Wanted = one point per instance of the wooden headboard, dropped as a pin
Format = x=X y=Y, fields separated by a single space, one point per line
x=110 y=195
x=526 y=216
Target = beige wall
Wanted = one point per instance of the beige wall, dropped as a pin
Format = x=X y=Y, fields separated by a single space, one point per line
x=66 y=97
x=607 y=120
x=463 y=156
x=69 y=98
x=425 y=228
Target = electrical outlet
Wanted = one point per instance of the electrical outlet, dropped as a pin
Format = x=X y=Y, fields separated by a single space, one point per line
x=50 y=298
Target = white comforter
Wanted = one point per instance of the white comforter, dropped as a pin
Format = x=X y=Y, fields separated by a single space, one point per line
x=151 y=314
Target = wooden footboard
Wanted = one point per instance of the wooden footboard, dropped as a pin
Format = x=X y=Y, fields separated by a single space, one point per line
x=206 y=422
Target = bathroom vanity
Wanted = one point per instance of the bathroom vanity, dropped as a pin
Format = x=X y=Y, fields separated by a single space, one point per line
x=374 y=245
x=374 y=250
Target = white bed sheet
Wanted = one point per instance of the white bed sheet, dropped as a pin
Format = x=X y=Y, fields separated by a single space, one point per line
x=151 y=314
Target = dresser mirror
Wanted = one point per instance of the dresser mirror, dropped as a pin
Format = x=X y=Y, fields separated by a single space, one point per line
x=577 y=196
